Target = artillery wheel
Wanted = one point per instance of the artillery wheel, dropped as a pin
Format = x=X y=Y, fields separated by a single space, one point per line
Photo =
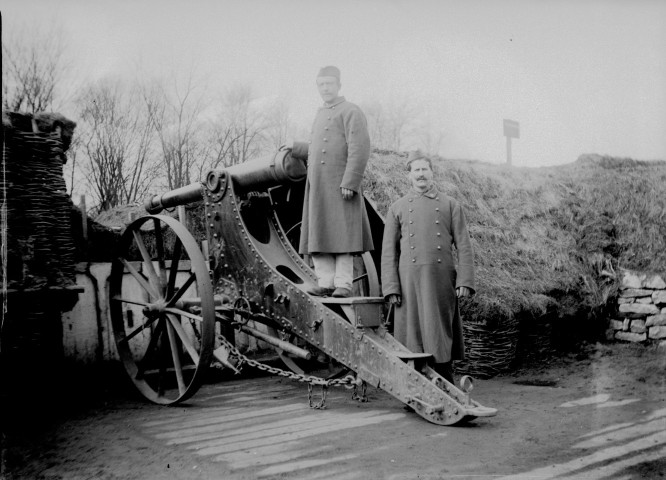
x=366 y=279
x=162 y=309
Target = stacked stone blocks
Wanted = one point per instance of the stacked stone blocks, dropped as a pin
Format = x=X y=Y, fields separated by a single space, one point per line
x=641 y=308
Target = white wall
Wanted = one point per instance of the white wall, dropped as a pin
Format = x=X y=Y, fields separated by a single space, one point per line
x=87 y=333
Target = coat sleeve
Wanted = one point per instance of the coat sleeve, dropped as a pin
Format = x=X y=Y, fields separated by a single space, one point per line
x=391 y=255
x=358 y=148
x=465 y=276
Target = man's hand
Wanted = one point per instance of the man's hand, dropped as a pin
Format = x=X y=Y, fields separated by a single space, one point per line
x=346 y=193
x=463 y=292
x=394 y=299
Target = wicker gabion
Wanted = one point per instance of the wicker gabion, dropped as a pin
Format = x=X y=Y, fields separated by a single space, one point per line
x=41 y=251
x=490 y=350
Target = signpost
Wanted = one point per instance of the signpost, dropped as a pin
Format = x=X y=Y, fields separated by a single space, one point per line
x=511 y=130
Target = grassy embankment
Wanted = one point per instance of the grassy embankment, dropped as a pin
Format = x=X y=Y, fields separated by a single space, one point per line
x=549 y=245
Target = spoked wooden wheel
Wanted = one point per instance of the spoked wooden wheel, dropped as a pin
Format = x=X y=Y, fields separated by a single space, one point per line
x=162 y=309
x=366 y=279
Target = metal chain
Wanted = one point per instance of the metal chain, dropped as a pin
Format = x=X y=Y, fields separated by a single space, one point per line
x=321 y=405
x=347 y=381
x=363 y=397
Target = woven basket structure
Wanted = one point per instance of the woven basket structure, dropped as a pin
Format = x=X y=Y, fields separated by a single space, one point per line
x=489 y=350
x=41 y=251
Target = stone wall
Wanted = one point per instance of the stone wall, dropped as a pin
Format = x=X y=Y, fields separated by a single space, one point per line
x=641 y=309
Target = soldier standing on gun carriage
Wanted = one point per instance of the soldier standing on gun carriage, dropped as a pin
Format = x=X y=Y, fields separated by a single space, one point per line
x=335 y=223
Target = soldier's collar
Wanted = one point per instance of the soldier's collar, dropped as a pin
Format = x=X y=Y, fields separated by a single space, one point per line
x=335 y=102
x=431 y=193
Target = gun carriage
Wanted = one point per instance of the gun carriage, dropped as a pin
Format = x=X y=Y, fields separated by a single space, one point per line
x=175 y=304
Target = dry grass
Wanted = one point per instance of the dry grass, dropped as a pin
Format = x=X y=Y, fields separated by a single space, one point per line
x=549 y=242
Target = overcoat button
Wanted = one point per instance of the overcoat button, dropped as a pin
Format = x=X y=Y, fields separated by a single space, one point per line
x=323 y=150
x=413 y=259
x=412 y=247
x=411 y=209
x=325 y=140
x=437 y=209
x=410 y=199
x=439 y=247
x=411 y=234
x=439 y=261
x=411 y=221
x=436 y=221
x=439 y=234
x=322 y=162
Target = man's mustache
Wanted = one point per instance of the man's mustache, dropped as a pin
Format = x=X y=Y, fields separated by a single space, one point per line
x=421 y=178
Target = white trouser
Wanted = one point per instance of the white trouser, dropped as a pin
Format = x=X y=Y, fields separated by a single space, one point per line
x=334 y=270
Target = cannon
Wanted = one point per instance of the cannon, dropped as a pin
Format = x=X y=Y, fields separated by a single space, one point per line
x=175 y=303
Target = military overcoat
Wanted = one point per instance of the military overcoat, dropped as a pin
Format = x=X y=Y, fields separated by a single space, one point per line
x=337 y=157
x=418 y=264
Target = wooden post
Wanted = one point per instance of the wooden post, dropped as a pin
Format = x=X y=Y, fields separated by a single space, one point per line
x=84 y=218
x=182 y=214
x=84 y=225
x=511 y=130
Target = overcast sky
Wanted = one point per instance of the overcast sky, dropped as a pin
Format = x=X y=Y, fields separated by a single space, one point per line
x=580 y=76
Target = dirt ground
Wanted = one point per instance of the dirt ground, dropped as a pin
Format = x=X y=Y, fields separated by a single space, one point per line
x=599 y=413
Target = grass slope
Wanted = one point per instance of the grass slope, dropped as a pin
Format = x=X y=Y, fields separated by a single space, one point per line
x=549 y=243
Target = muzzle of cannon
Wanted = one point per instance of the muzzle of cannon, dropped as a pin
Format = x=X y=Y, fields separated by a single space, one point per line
x=287 y=166
x=174 y=308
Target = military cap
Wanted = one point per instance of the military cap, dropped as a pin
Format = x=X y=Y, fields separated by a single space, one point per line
x=329 y=71
x=417 y=155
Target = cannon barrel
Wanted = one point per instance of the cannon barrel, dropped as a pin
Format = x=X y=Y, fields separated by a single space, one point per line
x=286 y=165
x=180 y=196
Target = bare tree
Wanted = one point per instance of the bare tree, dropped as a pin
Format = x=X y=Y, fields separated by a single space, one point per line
x=176 y=117
x=374 y=113
x=390 y=123
x=116 y=137
x=33 y=70
x=279 y=126
x=72 y=167
x=238 y=132
x=430 y=139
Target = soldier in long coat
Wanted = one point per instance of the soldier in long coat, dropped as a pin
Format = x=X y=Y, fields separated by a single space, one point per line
x=418 y=272
x=335 y=223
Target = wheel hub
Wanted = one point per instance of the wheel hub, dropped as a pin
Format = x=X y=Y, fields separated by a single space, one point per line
x=155 y=309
